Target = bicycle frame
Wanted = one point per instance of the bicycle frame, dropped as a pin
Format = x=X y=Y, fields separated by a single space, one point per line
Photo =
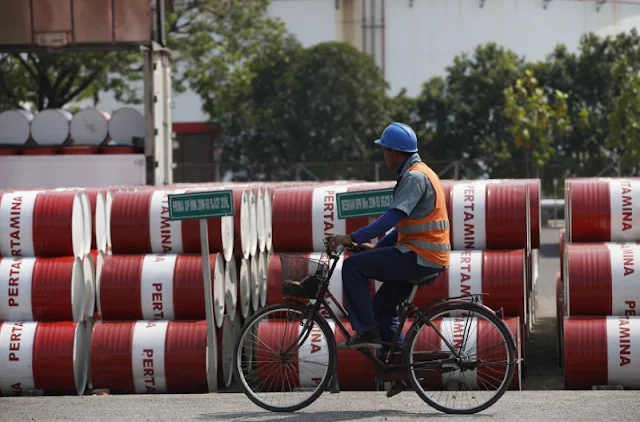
x=408 y=307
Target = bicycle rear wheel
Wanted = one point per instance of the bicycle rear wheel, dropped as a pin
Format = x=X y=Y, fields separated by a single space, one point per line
x=460 y=352
x=282 y=365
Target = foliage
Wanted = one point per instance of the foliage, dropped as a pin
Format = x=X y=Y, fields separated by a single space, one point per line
x=537 y=120
x=323 y=103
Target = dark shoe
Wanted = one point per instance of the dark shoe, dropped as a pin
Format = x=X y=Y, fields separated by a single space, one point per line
x=369 y=338
x=397 y=388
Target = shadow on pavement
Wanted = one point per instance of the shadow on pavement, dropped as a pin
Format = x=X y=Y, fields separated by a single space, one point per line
x=333 y=416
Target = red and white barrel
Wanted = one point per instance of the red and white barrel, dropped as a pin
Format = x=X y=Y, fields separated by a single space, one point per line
x=15 y=127
x=274 y=278
x=42 y=289
x=159 y=287
x=108 y=202
x=146 y=357
x=89 y=272
x=601 y=350
x=561 y=312
x=244 y=286
x=601 y=210
x=499 y=274
x=355 y=372
x=90 y=126
x=562 y=246
x=51 y=127
x=603 y=279
x=254 y=281
x=227 y=336
x=267 y=199
x=263 y=266
x=253 y=217
x=140 y=224
x=483 y=341
x=489 y=216
x=230 y=288
x=242 y=223
x=304 y=216
x=125 y=125
x=88 y=216
x=95 y=201
x=47 y=356
x=39 y=223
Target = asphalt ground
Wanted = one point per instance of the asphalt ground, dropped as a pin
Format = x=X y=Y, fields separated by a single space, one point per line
x=523 y=406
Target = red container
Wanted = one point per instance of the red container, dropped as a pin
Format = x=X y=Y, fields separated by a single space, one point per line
x=534 y=200
x=254 y=281
x=601 y=350
x=244 y=286
x=602 y=209
x=561 y=312
x=304 y=216
x=150 y=357
x=227 y=336
x=499 y=274
x=602 y=279
x=140 y=224
x=42 y=289
x=489 y=216
x=243 y=223
x=274 y=279
x=158 y=287
x=42 y=223
x=355 y=372
x=47 y=356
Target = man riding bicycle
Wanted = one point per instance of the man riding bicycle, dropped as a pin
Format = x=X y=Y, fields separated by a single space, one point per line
x=418 y=245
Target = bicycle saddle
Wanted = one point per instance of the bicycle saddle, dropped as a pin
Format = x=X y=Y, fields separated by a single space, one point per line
x=428 y=279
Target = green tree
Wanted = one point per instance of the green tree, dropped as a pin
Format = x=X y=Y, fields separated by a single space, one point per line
x=537 y=119
x=323 y=104
x=210 y=39
x=460 y=116
x=623 y=138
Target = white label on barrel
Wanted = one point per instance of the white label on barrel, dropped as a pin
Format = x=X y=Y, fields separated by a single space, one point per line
x=165 y=234
x=156 y=286
x=16 y=275
x=469 y=215
x=16 y=223
x=16 y=357
x=623 y=351
x=625 y=278
x=625 y=209
x=462 y=333
x=465 y=273
x=335 y=282
x=324 y=215
x=313 y=357
x=147 y=356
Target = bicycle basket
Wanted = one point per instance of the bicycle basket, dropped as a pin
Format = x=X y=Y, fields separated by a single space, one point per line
x=301 y=276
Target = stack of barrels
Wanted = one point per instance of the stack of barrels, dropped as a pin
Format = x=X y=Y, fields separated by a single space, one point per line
x=109 y=277
x=57 y=131
x=598 y=287
x=46 y=291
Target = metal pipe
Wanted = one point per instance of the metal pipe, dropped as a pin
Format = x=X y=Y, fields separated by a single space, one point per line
x=382 y=36
x=364 y=26
x=373 y=29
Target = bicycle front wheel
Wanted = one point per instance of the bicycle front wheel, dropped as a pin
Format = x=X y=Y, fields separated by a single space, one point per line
x=283 y=363
x=463 y=358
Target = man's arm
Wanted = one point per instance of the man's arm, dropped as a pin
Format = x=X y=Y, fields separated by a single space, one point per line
x=389 y=240
x=380 y=226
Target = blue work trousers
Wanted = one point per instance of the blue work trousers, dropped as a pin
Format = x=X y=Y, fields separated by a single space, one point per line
x=393 y=268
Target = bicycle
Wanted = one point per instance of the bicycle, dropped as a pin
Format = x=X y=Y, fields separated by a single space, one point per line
x=309 y=303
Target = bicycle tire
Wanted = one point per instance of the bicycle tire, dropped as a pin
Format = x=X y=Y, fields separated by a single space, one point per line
x=332 y=353
x=461 y=306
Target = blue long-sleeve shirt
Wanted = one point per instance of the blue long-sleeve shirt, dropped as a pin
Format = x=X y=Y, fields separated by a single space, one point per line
x=381 y=225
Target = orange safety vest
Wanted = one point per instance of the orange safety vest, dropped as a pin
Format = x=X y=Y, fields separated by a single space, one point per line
x=428 y=236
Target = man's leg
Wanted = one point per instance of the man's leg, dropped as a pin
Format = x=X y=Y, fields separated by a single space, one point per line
x=384 y=264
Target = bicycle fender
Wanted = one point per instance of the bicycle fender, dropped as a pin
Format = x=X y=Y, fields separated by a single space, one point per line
x=458 y=301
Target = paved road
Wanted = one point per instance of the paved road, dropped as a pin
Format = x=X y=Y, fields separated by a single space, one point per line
x=567 y=406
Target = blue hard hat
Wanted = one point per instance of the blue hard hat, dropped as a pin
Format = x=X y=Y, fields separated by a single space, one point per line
x=399 y=137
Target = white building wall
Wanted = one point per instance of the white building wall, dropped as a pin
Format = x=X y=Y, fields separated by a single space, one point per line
x=414 y=43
